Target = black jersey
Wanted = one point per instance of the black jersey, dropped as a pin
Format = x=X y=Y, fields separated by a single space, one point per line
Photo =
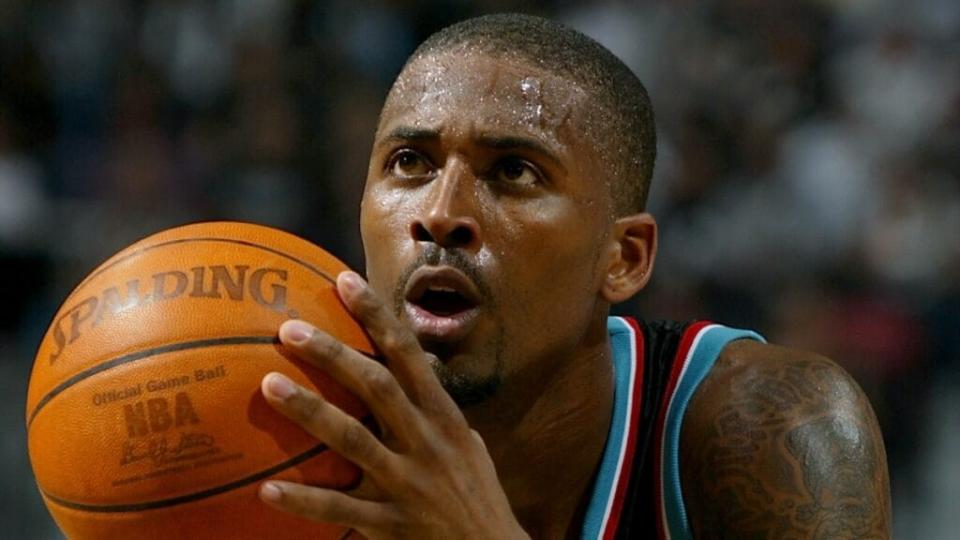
x=658 y=366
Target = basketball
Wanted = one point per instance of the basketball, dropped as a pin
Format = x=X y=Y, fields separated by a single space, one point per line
x=144 y=413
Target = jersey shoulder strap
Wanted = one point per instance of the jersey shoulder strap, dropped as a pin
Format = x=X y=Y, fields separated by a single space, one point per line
x=699 y=348
x=657 y=369
x=616 y=464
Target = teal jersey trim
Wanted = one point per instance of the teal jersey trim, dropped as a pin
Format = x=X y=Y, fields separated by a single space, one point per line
x=623 y=345
x=701 y=357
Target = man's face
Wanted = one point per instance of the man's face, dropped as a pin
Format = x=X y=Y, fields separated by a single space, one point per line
x=483 y=217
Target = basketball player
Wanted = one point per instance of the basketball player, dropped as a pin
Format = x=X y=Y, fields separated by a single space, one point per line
x=503 y=215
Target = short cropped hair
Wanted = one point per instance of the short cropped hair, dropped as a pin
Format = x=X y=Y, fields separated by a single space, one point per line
x=625 y=130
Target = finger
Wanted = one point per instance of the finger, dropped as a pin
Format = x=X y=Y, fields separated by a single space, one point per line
x=325 y=505
x=367 y=489
x=363 y=376
x=404 y=355
x=340 y=431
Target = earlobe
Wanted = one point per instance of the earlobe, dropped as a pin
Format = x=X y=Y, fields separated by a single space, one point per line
x=632 y=252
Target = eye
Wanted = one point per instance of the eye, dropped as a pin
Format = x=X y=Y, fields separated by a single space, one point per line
x=516 y=171
x=408 y=164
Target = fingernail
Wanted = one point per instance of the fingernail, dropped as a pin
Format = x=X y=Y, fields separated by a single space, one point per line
x=295 y=331
x=270 y=492
x=280 y=386
x=350 y=281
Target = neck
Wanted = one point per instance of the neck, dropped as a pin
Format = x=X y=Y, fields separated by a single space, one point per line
x=546 y=435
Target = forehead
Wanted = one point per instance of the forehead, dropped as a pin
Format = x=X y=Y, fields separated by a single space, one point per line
x=480 y=93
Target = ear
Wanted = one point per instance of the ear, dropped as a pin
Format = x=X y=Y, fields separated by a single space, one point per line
x=633 y=248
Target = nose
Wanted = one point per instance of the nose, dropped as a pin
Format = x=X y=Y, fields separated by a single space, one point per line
x=449 y=217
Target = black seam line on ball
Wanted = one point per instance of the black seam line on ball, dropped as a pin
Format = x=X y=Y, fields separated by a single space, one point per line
x=140 y=355
x=190 y=497
x=268 y=249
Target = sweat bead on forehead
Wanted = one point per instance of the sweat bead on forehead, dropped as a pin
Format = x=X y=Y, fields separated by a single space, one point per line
x=510 y=96
x=555 y=81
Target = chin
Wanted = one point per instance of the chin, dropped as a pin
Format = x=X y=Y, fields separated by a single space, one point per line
x=470 y=379
x=468 y=391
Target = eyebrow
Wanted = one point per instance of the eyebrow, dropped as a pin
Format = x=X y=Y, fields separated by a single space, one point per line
x=406 y=133
x=496 y=142
x=507 y=142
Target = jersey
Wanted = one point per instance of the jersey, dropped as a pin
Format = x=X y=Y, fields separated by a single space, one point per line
x=658 y=367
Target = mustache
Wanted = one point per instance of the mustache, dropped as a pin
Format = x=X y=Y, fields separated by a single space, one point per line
x=434 y=255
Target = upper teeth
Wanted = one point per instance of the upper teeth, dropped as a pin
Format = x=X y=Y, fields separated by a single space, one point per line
x=441 y=288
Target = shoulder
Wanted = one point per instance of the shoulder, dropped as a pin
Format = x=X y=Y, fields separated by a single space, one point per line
x=780 y=443
x=780 y=380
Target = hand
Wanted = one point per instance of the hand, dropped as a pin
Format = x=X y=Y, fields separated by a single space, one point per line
x=428 y=476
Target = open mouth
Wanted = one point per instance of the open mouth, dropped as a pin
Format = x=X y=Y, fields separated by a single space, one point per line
x=442 y=304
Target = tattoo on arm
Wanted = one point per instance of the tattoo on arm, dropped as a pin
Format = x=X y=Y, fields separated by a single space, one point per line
x=786 y=448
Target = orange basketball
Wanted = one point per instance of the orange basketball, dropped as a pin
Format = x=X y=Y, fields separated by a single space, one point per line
x=144 y=413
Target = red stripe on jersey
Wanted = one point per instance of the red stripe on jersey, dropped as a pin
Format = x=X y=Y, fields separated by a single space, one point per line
x=623 y=481
x=678 y=361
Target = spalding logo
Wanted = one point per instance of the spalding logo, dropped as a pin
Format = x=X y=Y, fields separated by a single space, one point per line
x=265 y=286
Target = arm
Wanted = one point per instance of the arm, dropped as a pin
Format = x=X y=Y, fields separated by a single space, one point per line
x=782 y=444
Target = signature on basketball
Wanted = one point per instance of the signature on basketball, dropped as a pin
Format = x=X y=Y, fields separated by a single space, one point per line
x=161 y=450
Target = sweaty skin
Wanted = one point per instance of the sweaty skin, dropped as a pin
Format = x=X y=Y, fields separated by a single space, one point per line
x=495 y=151
x=441 y=166
x=780 y=443
x=487 y=177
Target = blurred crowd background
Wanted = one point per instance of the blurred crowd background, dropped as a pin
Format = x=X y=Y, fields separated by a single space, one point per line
x=808 y=181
